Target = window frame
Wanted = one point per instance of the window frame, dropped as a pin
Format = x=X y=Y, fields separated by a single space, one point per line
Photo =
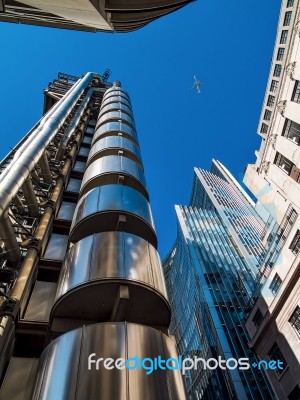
x=291 y=131
x=277 y=70
x=274 y=86
x=294 y=320
x=278 y=158
x=271 y=100
x=296 y=93
x=275 y=351
x=275 y=284
x=264 y=128
x=267 y=115
x=280 y=54
x=283 y=37
x=295 y=243
x=287 y=18
x=257 y=318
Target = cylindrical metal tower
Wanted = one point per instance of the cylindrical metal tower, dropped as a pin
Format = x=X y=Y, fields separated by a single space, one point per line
x=110 y=299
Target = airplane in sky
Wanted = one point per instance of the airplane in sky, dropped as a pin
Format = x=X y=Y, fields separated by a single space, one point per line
x=197 y=85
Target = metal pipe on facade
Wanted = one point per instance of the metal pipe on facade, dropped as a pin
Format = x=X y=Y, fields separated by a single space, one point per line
x=31 y=200
x=32 y=132
x=46 y=173
x=29 y=264
x=43 y=135
x=7 y=235
x=73 y=125
x=26 y=272
x=19 y=204
x=35 y=176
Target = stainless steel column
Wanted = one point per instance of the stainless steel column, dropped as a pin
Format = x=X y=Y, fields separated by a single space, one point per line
x=111 y=279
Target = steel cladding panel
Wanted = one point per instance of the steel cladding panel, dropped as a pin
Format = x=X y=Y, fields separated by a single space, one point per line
x=64 y=374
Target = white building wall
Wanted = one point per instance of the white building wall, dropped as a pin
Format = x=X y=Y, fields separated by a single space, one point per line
x=276 y=188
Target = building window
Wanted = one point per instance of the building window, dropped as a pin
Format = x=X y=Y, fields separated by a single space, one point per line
x=84 y=152
x=277 y=70
x=90 y=130
x=264 y=128
x=287 y=18
x=283 y=163
x=267 y=115
x=296 y=93
x=280 y=54
x=274 y=86
x=291 y=131
x=87 y=140
x=283 y=37
x=257 y=319
x=275 y=354
x=73 y=185
x=290 y=3
x=271 y=101
x=295 y=320
x=275 y=284
x=295 y=245
x=66 y=211
x=57 y=246
x=79 y=166
x=295 y=393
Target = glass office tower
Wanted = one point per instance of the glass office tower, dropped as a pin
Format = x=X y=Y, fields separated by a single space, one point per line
x=79 y=269
x=210 y=275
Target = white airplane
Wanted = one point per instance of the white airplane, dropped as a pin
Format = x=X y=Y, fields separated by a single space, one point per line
x=197 y=85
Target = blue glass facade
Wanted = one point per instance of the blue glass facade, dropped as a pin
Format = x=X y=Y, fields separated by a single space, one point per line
x=210 y=275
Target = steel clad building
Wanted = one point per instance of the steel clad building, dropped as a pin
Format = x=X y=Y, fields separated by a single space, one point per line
x=80 y=273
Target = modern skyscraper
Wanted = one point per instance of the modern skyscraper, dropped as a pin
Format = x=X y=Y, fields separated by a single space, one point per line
x=88 y=15
x=210 y=275
x=274 y=179
x=79 y=271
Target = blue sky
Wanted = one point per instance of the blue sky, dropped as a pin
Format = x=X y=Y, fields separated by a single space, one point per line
x=227 y=44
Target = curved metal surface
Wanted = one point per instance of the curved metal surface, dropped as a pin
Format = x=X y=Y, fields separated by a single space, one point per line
x=120 y=97
x=64 y=372
x=99 y=210
x=94 y=269
x=32 y=152
x=139 y=13
x=115 y=106
x=114 y=128
x=115 y=99
x=115 y=115
x=116 y=91
x=107 y=170
x=111 y=145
